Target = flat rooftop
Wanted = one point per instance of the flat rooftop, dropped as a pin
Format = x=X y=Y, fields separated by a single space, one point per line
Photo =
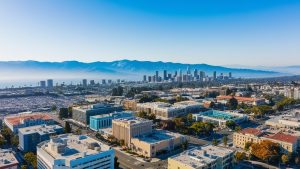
x=115 y=114
x=201 y=156
x=96 y=106
x=132 y=120
x=7 y=158
x=220 y=115
x=19 y=118
x=70 y=147
x=158 y=136
x=41 y=129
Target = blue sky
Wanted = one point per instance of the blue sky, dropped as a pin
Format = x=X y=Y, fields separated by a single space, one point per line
x=243 y=32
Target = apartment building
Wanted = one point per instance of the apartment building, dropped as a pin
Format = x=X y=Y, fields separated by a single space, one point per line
x=29 y=137
x=287 y=142
x=21 y=120
x=83 y=113
x=206 y=157
x=74 y=152
x=8 y=160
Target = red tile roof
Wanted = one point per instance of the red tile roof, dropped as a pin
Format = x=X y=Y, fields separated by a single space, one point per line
x=252 y=131
x=15 y=120
x=283 y=137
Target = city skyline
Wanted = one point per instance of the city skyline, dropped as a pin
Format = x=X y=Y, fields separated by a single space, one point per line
x=247 y=33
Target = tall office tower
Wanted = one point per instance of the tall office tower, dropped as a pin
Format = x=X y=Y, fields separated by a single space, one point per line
x=195 y=73
x=175 y=74
x=165 y=75
x=188 y=70
x=74 y=151
x=149 y=79
x=230 y=75
x=109 y=81
x=118 y=80
x=215 y=75
x=169 y=76
x=156 y=76
x=92 y=82
x=202 y=75
x=103 y=81
x=43 y=84
x=50 y=83
x=84 y=83
x=144 y=78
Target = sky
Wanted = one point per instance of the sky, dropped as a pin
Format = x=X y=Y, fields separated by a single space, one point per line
x=217 y=32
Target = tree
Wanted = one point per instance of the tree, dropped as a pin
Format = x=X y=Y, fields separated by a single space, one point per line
x=53 y=108
x=240 y=156
x=117 y=91
x=122 y=142
x=68 y=128
x=284 y=159
x=225 y=140
x=266 y=150
x=78 y=131
x=238 y=128
x=116 y=164
x=247 y=145
x=23 y=166
x=7 y=134
x=63 y=113
x=15 y=140
x=190 y=118
x=185 y=145
x=297 y=160
x=230 y=124
x=2 y=141
x=215 y=142
x=232 y=103
x=31 y=159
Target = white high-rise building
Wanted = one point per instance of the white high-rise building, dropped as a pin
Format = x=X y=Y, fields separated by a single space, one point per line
x=72 y=151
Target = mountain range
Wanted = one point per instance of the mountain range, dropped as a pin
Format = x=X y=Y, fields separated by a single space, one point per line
x=124 y=69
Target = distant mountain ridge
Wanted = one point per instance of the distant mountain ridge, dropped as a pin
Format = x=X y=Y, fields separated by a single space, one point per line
x=133 y=68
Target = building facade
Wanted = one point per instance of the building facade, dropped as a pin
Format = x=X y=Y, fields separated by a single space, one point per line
x=105 y=120
x=83 y=113
x=30 y=137
x=8 y=160
x=74 y=152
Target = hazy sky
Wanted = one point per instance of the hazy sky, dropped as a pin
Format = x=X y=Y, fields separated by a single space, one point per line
x=224 y=32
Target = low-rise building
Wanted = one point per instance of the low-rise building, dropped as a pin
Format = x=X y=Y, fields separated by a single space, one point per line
x=105 y=120
x=157 y=142
x=220 y=117
x=8 y=160
x=30 y=137
x=206 y=157
x=168 y=111
x=21 y=120
x=287 y=142
x=129 y=104
x=246 y=100
x=82 y=114
x=289 y=120
x=73 y=151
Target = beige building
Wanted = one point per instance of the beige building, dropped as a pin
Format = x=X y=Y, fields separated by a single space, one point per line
x=8 y=160
x=156 y=143
x=138 y=135
x=125 y=129
x=129 y=104
x=168 y=111
x=288 y=143
x=206 y=157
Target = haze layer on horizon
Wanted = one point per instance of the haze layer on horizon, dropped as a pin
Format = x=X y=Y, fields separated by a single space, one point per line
x=248 y=32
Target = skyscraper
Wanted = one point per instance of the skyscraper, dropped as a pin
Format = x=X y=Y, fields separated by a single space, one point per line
x=144 y=78
x=165 y=75
x=50 y=83
x=84 y=83
x=43 y=84
x=215 y=75
x=156 y=76
x=230 y=75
